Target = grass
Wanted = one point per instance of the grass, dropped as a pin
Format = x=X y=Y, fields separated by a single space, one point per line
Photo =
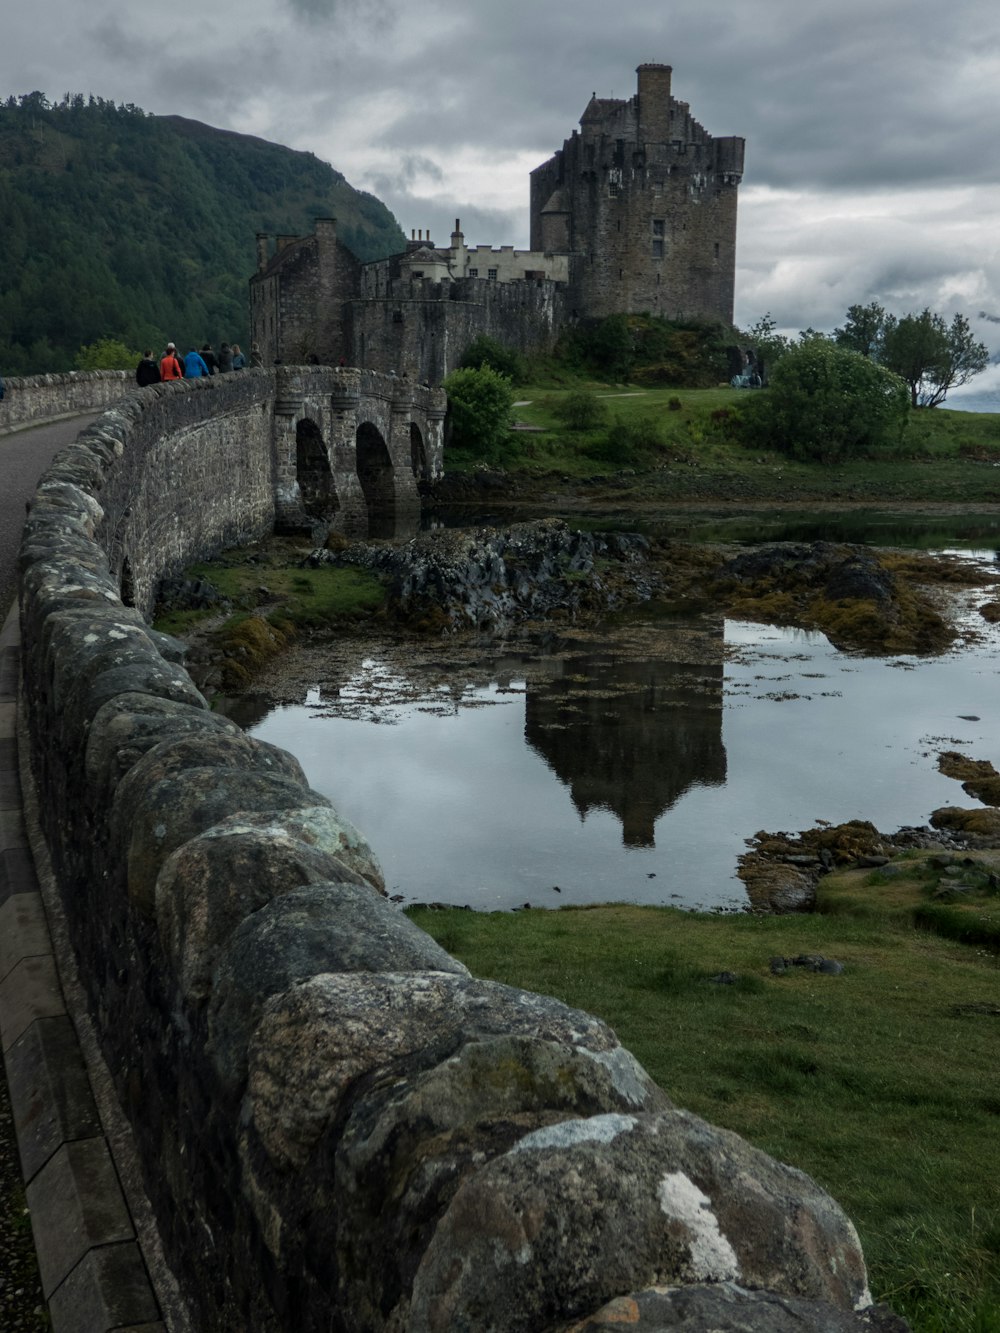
x=272 y=598
x=945 y=457
x=881 y=1083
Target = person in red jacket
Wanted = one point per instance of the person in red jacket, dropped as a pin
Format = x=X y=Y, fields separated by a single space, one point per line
x=170 y=367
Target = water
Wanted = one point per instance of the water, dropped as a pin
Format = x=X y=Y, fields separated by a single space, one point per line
x=629 y=764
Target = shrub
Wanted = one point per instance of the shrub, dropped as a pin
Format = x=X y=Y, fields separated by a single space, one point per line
x=825 y=404
x=581 y=411
x=479 y=406
x=486 y=351
x=631 y=442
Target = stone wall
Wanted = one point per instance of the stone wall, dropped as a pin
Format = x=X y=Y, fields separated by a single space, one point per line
x=423 y=328
x=42 y=397
x=340 y=1128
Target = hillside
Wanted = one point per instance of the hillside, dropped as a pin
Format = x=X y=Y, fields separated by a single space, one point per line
x=120 y=224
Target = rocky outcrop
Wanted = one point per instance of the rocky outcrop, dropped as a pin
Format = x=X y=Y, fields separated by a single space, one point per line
x=488 y=578
x=340 y=1129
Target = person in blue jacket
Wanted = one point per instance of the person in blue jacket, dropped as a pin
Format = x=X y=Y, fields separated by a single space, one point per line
x=194 y=366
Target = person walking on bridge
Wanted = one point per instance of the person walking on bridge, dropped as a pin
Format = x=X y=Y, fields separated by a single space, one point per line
x=147 y=371
x=194 y=366
x=170 y=366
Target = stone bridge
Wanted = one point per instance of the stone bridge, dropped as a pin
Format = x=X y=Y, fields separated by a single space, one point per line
x=353 y=444
x=338 y=1129
x=210 y=463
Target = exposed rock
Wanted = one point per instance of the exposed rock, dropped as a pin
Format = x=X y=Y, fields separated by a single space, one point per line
x=725 y=1307
x=320 y=1037
x=328 y=927
x=489 y=577
x=172 y=811
x=477 y=1104
x=215 y=881
x=129 y=725
x=591 y=1208
x=983 y=823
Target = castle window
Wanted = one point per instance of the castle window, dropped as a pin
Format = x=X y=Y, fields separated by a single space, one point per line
x=419 y=273
x=491 y=274
x=473 y=272
x=659 y=233
x=716 y=249
x=614 y=182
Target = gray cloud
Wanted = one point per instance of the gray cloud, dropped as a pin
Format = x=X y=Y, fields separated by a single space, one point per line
x=870 y=155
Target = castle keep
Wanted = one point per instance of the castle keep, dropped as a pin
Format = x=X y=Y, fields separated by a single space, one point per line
x=636 y=213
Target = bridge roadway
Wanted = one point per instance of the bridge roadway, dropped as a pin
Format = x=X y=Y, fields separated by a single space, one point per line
x=24 y=456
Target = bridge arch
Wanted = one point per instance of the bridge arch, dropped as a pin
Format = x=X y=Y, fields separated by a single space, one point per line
x=316 y=482
x=418 y=453
x=376 y=475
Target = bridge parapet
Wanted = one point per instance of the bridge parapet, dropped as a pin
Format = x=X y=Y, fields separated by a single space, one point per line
x=338 y=1126
x=36 y=398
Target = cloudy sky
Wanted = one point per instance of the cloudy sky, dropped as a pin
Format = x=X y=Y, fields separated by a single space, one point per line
x=872 y=129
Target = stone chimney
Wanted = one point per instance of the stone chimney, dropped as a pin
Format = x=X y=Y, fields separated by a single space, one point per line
x=654 y=103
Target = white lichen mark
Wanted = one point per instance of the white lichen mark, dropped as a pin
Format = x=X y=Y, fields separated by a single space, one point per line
x=712 y=1256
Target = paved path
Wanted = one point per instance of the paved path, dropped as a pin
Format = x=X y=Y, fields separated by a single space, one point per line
x=23 y=457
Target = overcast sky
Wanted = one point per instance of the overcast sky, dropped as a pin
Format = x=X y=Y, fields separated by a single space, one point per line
x=872 y=128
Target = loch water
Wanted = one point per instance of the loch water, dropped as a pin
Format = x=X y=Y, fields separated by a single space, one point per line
x=631 y=762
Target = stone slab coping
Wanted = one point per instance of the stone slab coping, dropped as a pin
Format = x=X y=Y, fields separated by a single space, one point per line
x=95 y=1274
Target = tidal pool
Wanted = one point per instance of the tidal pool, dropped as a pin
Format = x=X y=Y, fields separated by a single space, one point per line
x=629 y=763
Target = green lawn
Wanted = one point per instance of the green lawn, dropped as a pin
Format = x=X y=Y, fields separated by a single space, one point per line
x=689 y=449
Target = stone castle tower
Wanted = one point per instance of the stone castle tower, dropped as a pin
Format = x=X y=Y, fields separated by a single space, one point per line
x=636 y=213
x=645 y=200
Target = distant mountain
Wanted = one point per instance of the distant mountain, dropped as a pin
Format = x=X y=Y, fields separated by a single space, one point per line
x=119 y=224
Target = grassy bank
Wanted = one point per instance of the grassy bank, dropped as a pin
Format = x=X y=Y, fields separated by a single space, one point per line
x=880 y=1082
x=686 y=447
x=266 y=598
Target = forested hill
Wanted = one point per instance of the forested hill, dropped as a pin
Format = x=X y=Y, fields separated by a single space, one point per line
x=119 y=224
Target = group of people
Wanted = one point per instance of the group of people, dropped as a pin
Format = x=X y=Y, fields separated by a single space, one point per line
x=196 y=364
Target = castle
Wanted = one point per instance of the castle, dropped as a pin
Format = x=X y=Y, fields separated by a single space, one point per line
x=636 y=213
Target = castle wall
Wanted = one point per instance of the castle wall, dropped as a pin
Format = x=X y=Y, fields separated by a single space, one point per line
x=297 y=298
x=339 y=1128
x=423 y=329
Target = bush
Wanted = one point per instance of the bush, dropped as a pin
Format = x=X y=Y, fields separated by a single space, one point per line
x=580 y=411
x=486 y=351
x=106 y=354
x=629 y=443
x=824 y=404
x=479 y=407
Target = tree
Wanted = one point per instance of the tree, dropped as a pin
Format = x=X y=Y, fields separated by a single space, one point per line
x=106 y=354
x=931 y=356
x=863 y=330
x=479 y=406
x=825 y=403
